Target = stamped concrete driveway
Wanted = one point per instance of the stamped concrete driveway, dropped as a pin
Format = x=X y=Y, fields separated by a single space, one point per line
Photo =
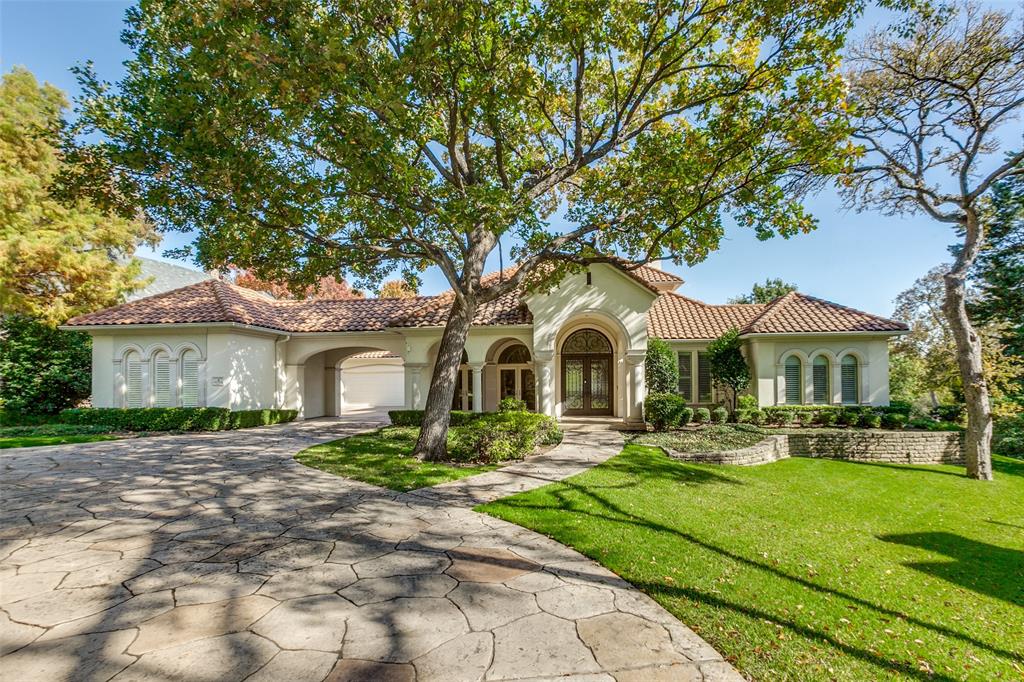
x=216 y=557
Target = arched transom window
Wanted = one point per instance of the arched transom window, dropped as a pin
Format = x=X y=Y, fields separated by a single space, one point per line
x=514 y=355
x=585 y=342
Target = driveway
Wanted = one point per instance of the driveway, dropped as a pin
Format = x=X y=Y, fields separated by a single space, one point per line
x=216 y=557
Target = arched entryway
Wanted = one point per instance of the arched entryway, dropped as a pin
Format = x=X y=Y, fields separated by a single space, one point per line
x=587 y=373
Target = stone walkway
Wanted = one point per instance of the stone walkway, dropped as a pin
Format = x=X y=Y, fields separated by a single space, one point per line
x=216 y=557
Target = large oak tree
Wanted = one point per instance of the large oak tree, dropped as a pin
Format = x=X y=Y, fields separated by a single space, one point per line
x=928 y=99
x=299 y=138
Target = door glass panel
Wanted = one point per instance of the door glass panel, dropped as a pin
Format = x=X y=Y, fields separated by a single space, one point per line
x=573 y=384
x=599 y=398
x=508 y=383
x=529 y=390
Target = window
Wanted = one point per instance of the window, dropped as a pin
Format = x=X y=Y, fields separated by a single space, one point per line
x=703 y=378
x=514 y=355
x=820 y=377
x=686 y=376
x=190 y=379
x=849 y=380
x=586 y=341
x=162 y=395
x=132 y=380
x=794 y=381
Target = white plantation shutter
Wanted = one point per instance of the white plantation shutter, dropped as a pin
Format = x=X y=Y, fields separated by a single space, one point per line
x=794 y=382
x=162 y=396
x=190 y=379
x=132 y=381
x=820 y=377
x=849 y=374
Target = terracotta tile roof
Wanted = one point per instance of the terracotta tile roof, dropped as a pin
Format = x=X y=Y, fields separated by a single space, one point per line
x=796 y=313
x=674 y=316
x=648 y=274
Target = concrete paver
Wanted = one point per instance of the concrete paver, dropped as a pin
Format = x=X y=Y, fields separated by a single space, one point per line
x=218 y=557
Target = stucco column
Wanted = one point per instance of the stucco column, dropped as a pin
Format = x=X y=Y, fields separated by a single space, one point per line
x=477 y=370
x=294 y=377
x=544 y=364
x=634 y=386
x=413 y=384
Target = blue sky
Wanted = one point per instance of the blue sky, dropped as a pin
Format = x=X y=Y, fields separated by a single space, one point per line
x=858 y=259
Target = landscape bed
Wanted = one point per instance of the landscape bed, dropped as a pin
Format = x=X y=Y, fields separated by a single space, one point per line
x=808 y=568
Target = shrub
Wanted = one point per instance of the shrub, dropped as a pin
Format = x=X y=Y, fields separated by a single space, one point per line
x=498 y=436
x=948 y=413
x=747 y=402
x=726 y=363
x=1008 y=436
x=15 y=418
x=893 y=420
x=778 y=416
x=825 y=417
x=869 y=420
x=54 y=429
x=661 y=367
x=664 y=410
x=173 y=418
x=44 y=369
x=511 y=404
x=415 y=417
x=685 y=415
x=701 y=415
x=849 y=416
x=750 y=416
x=719 y=415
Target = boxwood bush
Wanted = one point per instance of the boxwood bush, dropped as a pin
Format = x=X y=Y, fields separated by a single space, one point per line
x=499 y=436
x=666 y=411
x=719 y=415
x=173 y=418
x=701 y=415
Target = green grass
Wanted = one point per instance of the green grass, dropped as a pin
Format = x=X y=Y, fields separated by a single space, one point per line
x=810 y=569
x=37 y=441
x=382 y=458
x=707 y=438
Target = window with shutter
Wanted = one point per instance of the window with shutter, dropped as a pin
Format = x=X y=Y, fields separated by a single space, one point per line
x=794 y=381
x=849 y=374
x=820 y=376
x=132 y=380
x=162 y=396
x=686 y=376
x=703 y=378
x=190 y=379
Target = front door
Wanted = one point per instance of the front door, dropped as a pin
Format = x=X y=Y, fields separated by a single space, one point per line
x=586 y=374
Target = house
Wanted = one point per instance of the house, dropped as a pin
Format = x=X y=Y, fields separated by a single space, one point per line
x=577 y=349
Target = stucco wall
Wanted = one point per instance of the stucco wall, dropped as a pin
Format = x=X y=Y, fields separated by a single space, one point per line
x=240 y=371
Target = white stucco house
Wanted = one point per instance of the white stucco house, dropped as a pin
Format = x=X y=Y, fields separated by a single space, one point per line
x=576 y=350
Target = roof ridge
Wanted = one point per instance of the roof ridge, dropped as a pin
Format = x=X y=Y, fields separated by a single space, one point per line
x=770 y=311
x=845 y=307
x=147 y=299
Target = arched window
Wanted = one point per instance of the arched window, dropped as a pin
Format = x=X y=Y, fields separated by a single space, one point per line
x=514 y=355
x=163 y=396
x=132 y=380
x=794 y=381
x=820 y=376
x=586 y=341
x=189 y=365
x=850 y=378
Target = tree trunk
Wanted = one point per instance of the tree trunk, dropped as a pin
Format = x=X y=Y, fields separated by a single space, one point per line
x=978 y=443
x=432 y=444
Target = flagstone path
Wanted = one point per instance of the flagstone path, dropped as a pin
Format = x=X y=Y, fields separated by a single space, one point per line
x=217 y=557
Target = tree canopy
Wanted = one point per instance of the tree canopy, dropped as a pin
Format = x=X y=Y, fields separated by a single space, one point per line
x=62 y=247
x=765 y=293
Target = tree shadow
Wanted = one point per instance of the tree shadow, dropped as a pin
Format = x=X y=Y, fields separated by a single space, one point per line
x=977 y=566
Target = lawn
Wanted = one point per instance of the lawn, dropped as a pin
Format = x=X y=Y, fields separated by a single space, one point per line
x=708 y=438
x=382 y=458
x=807 y=568
x=37 y=441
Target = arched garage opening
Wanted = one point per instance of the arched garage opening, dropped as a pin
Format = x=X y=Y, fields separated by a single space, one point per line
x=350 y=380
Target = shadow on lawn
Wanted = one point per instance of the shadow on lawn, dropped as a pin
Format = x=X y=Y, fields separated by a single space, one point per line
x=617 y=514
x=978 y=566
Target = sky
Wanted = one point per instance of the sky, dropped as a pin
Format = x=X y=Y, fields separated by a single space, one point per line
x=862 y=260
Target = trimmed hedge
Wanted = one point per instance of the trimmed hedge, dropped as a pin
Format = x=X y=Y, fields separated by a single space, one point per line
x=174 y=418
x=499 y=436
x=701 y=415
x=415 y=417
x=666 y=411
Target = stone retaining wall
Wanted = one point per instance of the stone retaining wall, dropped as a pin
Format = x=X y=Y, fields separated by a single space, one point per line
x=897 y=447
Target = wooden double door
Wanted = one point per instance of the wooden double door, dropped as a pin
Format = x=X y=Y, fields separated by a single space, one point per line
x=587 y=384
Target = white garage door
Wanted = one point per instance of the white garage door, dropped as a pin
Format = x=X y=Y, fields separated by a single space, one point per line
x=376 y=383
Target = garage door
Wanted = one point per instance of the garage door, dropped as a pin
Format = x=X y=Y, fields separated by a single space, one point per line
x=372 y=383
